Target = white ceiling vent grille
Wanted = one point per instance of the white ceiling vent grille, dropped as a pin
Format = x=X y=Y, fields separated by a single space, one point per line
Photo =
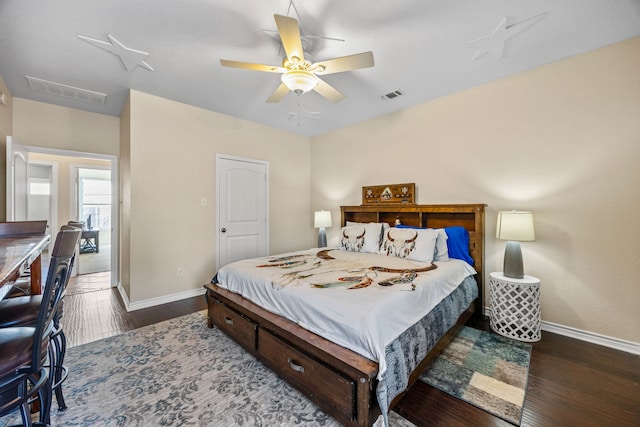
x=392 y=95
x=65 y=91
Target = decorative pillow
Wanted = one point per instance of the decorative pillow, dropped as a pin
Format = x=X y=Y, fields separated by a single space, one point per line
x=384 y=227
x=458 y=243
x=361 y=237
x=410 y=243
x=442 y=250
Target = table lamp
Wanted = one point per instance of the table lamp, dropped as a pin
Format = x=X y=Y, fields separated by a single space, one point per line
x=321 y=220
x=515 y=227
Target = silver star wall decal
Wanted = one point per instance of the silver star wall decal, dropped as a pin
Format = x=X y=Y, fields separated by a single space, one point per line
x=306 y=39
x=302 y=114
x=493 y=43
x=130 y=58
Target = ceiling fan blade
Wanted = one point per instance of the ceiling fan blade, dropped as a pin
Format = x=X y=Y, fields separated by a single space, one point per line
x=290 y=36
x=252 y=66
x=279 y=93
x=345 y=63
x=328 y=91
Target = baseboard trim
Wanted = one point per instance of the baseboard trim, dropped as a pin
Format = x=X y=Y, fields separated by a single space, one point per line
x=152 y=302
x=592 y=337
x=123 y=295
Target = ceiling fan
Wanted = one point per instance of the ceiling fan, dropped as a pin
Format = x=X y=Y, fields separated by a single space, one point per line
x=299 y=75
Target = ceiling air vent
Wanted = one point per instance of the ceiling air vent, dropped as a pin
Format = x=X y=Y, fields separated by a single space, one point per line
x=65 y=91
x=393 y=95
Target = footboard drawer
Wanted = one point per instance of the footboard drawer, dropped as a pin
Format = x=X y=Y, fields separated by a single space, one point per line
x=238 y=327
x=323 y=385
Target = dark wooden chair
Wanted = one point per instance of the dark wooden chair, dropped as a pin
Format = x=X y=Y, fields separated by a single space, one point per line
x=27 y=330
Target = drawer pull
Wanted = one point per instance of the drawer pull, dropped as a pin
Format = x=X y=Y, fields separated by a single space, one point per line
x=293 y=365
x=228 y=320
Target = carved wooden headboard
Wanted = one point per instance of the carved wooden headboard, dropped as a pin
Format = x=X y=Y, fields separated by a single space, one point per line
x=469 y=216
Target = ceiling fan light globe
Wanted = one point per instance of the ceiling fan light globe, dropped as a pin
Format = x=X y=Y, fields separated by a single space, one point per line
x=299 y=81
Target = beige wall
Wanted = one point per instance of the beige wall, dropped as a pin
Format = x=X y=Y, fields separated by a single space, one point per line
x=6 y=129
x=562 y=140
x=172 y=152
x=50 y=126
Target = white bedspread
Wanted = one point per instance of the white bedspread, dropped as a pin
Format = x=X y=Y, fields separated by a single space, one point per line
x=365 y=319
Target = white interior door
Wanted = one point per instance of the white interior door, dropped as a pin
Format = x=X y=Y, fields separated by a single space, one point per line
x=17 y=162
x=242 y=208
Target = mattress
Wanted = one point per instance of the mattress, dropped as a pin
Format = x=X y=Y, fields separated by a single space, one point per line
x=360 y=301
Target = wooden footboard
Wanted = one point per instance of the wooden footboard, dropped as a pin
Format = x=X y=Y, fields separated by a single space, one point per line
x=338 y=380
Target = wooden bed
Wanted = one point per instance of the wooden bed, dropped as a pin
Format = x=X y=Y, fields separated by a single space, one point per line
x=338 y=380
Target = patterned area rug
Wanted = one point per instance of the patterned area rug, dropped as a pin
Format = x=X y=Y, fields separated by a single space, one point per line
x=484 y=369
x=179 y=373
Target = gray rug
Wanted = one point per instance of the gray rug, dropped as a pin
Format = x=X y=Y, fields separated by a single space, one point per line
x=179 y=373
x=484 y=369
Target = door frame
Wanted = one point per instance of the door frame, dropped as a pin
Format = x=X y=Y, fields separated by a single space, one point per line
x=264 y=163
x=10 y=198
x=115 y=197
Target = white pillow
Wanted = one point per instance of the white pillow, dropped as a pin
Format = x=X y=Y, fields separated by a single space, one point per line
x=384 y=227
x=410 y=243
x=442 y=249
x=361 y=237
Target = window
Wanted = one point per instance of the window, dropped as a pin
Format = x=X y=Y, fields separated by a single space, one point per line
x=95 y=198
x=39 y=188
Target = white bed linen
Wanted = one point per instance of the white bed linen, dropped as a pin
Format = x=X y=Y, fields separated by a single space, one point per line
x=363 y=320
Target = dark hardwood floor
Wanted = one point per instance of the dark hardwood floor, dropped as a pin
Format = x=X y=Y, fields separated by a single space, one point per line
x=571 y=382
x=96 y=314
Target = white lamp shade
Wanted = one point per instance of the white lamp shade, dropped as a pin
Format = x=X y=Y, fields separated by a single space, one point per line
x=322 y=219
x=299 y=81
x=516 y=226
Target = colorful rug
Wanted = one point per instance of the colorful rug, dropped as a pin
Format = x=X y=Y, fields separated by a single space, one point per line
x=484 y=369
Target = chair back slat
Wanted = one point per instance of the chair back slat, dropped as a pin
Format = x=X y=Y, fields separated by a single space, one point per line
x=57 y=278
x=76 y=224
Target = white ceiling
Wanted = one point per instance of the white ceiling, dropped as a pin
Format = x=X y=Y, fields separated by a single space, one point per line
x=425 y=48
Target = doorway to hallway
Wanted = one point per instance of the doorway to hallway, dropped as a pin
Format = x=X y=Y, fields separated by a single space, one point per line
x=93 y=208
x=67 y=203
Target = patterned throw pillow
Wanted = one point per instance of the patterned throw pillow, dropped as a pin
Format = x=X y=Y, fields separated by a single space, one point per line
x=410 y=243
x=442 y=248
x=361 y=237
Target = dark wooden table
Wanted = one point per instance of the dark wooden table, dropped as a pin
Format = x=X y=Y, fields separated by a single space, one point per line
x=17 y=253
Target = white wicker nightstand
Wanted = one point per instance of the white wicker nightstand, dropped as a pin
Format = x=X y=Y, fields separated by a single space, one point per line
x=515 y=307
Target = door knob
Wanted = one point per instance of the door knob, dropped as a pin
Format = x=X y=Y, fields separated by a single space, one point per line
x=223 y=230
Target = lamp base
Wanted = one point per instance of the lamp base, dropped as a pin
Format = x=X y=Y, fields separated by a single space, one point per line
x=513 y=261
x=322 y=238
